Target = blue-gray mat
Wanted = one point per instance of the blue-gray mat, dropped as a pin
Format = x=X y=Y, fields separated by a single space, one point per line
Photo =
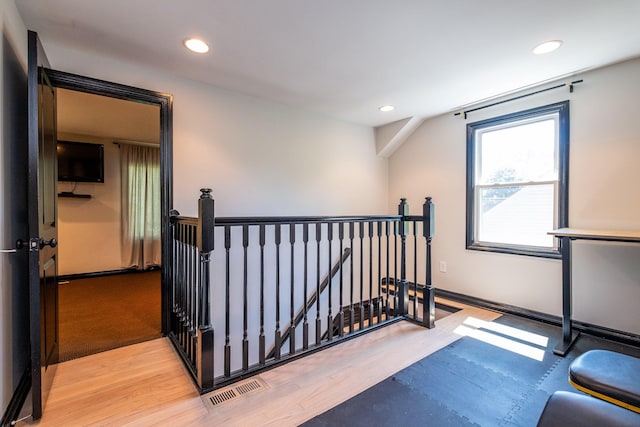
x=469 y=383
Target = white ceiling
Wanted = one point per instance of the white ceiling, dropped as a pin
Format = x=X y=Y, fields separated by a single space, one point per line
x=345 y=58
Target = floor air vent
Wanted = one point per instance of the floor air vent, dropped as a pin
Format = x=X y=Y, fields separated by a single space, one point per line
x=232 y=392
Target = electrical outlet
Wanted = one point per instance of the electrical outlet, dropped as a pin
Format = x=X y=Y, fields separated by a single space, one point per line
x=443 y=266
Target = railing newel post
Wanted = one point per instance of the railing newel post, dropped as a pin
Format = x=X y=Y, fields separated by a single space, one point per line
x=428 y=301
x=205 y=332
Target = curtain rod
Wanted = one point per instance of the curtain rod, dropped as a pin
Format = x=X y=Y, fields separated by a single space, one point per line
x=465 y=112
x=130 y=142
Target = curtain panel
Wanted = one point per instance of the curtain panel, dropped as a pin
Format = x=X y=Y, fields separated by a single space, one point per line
x=140 y=173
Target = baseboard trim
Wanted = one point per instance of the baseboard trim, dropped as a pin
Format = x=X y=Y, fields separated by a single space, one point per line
x=104 y=273
x=583 y=327
x=17 y=400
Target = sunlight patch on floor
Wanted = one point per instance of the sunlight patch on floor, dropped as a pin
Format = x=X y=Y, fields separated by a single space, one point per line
x=522 y=335
x=470 y=328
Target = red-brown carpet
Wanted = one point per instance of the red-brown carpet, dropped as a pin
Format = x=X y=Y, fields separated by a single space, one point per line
x=103 y=313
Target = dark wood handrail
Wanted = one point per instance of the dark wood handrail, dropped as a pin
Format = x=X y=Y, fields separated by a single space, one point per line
x=257 y=220
x=271 y=220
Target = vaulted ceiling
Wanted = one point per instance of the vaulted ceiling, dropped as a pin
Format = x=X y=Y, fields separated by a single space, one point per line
x=346 y=58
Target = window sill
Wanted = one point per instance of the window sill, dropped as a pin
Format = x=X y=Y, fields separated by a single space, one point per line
x=516 y=250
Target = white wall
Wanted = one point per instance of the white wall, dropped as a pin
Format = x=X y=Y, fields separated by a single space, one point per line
x=603 y=193
x=89 y=229
x=14 y=32
x=260 y=158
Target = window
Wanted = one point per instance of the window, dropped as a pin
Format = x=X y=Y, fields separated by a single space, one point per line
x=517 y=181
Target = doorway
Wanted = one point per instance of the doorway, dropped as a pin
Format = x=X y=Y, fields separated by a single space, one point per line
x=97 y=251
x=106 y=299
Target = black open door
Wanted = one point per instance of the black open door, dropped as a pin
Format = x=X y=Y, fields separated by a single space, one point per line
x=43 y=234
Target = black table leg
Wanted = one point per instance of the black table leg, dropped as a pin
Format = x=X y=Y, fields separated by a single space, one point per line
x=568 y=336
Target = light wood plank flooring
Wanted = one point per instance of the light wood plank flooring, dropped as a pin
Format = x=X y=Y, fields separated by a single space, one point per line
x=146 y=384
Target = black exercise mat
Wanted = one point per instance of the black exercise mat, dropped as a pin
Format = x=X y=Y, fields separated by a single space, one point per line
x=469 y=383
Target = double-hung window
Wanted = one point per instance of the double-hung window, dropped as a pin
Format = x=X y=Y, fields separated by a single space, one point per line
x=517 y=181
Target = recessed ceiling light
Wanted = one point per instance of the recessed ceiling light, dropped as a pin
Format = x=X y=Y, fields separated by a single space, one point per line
x=386 y=108
x=196 y=45
x=546 y=47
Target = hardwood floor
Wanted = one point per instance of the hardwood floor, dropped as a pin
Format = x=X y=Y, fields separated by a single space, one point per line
x=146 y=384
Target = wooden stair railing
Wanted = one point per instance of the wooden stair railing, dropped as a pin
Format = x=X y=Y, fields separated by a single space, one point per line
x=377 y=247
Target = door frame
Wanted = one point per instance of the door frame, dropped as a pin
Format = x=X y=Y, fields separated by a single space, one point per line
x=75 y=82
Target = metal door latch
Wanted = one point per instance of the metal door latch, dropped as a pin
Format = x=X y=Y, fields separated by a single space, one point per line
x=19 y=245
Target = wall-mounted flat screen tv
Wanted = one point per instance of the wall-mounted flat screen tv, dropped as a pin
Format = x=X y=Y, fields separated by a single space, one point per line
x=80 y=162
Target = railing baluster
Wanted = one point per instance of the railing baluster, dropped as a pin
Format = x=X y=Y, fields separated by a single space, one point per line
x=174 y=265
x=341 y=312
x=193 y=301
x=227 y=302
x=305 y=324
x=174 y=269
x=318 y=321
x=245 y=293
x=185 y=294
x=386 y=295
x=178 y=263
x=185 y=289
x=181 y=289
x=402 y=287
x=330 y=294
x=278 y=333
x=371 y=226
x=179 y=285
x=292 y=308
x=395 y=268
x=188 y=296
x=379 y=297
x=415 y=270
x=361 y=305
x=351 y=313
x=262 y=343
x=191 y=296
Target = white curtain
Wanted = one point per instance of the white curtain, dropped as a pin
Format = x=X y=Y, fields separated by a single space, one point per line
x=140 y=180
